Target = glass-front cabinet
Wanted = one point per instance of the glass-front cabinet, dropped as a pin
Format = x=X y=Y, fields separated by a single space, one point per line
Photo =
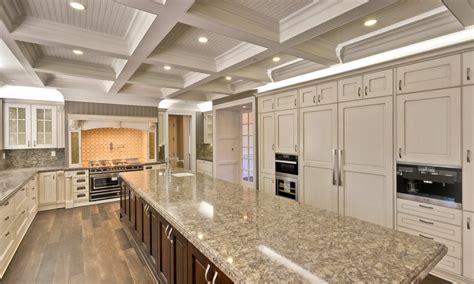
x=29 y=126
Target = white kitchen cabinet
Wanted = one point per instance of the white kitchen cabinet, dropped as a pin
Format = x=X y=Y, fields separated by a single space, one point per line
x=267 y=184
x=61 y=127
x=204 y=167
x=266 y=142
x=286 y=100
x=286 y=131
x=47 y=189
x=17 y=126
x=326 y=93
x=378 y=84
x=161 y=128
x=365 y=160
x=307 y=96
x=318 y=138
x=468 y=68
x=349 y=89
x=266 y=103
x=60 y=188
x=207 y=127
x=468 y=148
x=429 y=75
x=44 y=126
x=468 y=245
x=429 y=127
x=33 y=198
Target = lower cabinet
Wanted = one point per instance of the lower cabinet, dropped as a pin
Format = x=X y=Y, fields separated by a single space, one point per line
x=170 y=256
x=267 y=183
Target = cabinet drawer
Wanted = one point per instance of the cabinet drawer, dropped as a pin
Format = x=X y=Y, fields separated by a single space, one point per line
x=286 y=100
x=81 y=197
x=266 y=104
x=378 y=84
x=433 y=212
x=431 y=227
x=7 y=241
x=6 y=220
x=80 y=180
x=450 y=264
x=326 y=93
x=80 y=188
x=454 y=248
x=7 y=208
x=21 y=222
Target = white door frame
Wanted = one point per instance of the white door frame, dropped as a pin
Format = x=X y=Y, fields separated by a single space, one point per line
x=193 y=133
x=252 y=100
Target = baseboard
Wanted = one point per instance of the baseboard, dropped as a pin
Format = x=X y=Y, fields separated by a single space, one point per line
x=87 y=203
x=448 y=276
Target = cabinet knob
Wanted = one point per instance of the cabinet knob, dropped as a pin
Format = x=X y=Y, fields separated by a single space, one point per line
x=400 y=152
x=319 y=98
x=314 y=99
x=468 y=156
x=468 y=223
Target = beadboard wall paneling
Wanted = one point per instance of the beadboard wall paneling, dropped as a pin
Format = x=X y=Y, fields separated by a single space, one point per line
x=73 y=107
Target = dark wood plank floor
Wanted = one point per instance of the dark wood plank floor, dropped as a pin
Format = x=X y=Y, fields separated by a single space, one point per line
x=80 y=245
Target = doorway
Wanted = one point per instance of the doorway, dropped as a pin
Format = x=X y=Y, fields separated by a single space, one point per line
x=179 y=141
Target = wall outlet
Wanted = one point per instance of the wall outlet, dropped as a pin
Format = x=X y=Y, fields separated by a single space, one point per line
x=53 y=153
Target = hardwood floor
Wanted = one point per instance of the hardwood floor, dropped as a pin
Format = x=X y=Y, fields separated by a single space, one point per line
x=80 y=245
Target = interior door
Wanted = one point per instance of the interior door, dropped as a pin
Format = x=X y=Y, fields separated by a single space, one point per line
x=228 y=145
x=286 y=131
x=429 y=127
x=365 y=160
x=266 y=139
x=318 y=137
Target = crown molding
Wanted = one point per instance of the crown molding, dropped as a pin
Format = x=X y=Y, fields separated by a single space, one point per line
x=295 y=69
x=98 y=97
x=193 y=77
x=316 y=50
x=237 y=54
x=462 y=10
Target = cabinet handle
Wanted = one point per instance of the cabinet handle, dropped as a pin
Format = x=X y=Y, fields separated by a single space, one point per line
x=6 y=204
x=80 y=173
x=28 y=143
x=340 y=168
x=7 y=234
x=273 y=105
x=314 y=99
x=207 y=271
x=468 y=156
x=319 y=98
x=426 y=207
x=400 y=152
x=423 y=236
x=34 y=143
x=34 y=198
x=23 y=189
x=334 y=152
x=6 y=218
x=23 y=212
x=468 y=74
x=400 y=85
x=468 y=223
x=358 y=92
x=366 y=90
x=295 y=102
x=214 y=278
x=273 y=147
x=296 y=148
x=426 y=222
x=166 y=229
x=169 y=235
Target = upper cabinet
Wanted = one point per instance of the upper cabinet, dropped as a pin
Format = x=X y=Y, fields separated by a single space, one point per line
x=286 y=100
x=377 y=84
x=207 y=127
x=429 y=75
x=322 y=94
x=350 y=89
x=31 y=126
x=429 y=127
x=266 y=104
x=468 y=68
x=286 y=131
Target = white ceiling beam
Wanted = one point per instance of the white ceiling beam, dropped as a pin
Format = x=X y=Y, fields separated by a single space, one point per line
x=184 y=59
x=214 y=87
x=146 y=6
x=79 y=69
x=156 y=80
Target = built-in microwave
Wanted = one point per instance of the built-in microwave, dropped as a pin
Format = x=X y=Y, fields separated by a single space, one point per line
x=430 y=184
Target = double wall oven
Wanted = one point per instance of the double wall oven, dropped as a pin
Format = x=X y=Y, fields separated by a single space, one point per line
x=286 y=175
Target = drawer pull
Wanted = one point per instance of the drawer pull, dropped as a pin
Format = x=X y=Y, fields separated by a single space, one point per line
x=148 y=168
x=207 y=271
x=6 y=204
x=426 y=222
x=81 y=195
x=400 y=85
x=81 y=188
x=81 y=180
x=23 y=189
x=7 y=234
x=468 y=74
x=214 y=278
x=423 y=236
x=319 y=98
x=358 y=92
x=424 y=206
x=7 y=218
x=33 y=198
x=400 y=152
x=468 y=156
x=23 y=212
x=468 y=224
x=314 y=99
x=80 y=173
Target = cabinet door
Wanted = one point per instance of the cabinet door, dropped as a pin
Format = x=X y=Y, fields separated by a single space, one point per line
x=286 y=131
x=327 y=93
x=218 y=277
x=47 y=186
x=132 y=215
x=468 y=244
x=429 y=127
x=266 y=145
x=198 y=266
x=161 y=129
x=44 y=126
x=136 y=210
x=17 y=126
x=318 y=138
x=307 y=96
x=146 y=229
x=468 y=68
x=155 y=239
x=267 y=184
x=429 y=75
x=378 y=84
x=164 y=270
x=178 y=257
x=286 y=100
x=365 y=160
x=349 y=89
x=266 y=103
x=468 y=148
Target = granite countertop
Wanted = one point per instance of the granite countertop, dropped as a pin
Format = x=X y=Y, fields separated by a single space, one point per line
x=254 y=237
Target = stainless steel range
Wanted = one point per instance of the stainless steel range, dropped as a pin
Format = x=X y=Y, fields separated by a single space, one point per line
x=104 y=178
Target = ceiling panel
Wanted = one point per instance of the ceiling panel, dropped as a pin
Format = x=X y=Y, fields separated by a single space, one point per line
x=103 y=16
x=11 y=69
x=65 y=53
x=159 y=69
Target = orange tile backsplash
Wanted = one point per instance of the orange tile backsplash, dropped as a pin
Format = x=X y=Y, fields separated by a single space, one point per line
x=127 y=143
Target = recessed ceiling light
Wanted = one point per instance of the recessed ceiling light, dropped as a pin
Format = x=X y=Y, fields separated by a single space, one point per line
x=370 y=22
x=203 y=39
x=245 y=217
x=228 y=78
x=77 y=5
x=276 y=59
x=78 y=52
x=167 y=67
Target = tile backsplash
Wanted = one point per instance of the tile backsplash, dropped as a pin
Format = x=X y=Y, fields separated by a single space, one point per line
x=113 y=143
x=29 y=158
x=204 y=151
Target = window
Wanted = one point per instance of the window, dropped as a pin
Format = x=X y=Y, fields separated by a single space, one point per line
x=247 y=173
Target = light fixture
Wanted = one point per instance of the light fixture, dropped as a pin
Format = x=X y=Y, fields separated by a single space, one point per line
x=276 y=59
x=78 y=52
x=77 y=5
x=245 y=217
x=228 y=78
x=202 y=39
x=167 y=67
x=370 y=22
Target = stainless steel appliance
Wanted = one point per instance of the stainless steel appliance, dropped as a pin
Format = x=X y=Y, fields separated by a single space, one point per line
x=430 y=184
x=286 y=175
x=104 y=178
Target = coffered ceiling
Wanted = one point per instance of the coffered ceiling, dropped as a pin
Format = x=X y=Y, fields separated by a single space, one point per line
x=142 y=51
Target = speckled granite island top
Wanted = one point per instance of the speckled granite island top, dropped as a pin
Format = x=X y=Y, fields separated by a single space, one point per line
x=254 y=237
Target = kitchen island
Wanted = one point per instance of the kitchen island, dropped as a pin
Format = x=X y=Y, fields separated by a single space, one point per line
x=252 y=237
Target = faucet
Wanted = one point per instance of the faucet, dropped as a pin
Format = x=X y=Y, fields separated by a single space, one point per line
x=168 y=163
